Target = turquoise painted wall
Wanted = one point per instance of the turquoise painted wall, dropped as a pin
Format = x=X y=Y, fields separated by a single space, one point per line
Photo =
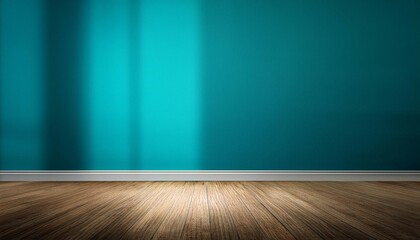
x=209 y=84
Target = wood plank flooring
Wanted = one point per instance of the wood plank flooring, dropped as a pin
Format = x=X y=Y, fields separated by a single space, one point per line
x=209 y=210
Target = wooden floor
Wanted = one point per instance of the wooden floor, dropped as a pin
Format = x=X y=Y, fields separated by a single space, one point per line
x=209 y=210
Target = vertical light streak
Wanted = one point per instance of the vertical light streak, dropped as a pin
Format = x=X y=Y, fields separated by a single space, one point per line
x=170 y=84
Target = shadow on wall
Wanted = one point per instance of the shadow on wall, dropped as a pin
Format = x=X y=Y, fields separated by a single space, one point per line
x=64 y=85
x=85 y=79
x=311 y=85
x=40 y=67
x=22 y=84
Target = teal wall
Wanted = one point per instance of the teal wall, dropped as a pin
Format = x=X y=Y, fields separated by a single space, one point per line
x=210 y=84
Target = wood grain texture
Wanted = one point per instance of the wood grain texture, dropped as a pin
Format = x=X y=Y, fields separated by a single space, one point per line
x=209 y=210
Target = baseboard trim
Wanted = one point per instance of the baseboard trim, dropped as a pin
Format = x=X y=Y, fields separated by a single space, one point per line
x=210 y=175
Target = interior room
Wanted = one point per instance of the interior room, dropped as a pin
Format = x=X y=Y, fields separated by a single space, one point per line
x=209 y=119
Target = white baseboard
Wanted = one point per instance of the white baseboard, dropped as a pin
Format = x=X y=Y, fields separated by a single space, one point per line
x=229 y=175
